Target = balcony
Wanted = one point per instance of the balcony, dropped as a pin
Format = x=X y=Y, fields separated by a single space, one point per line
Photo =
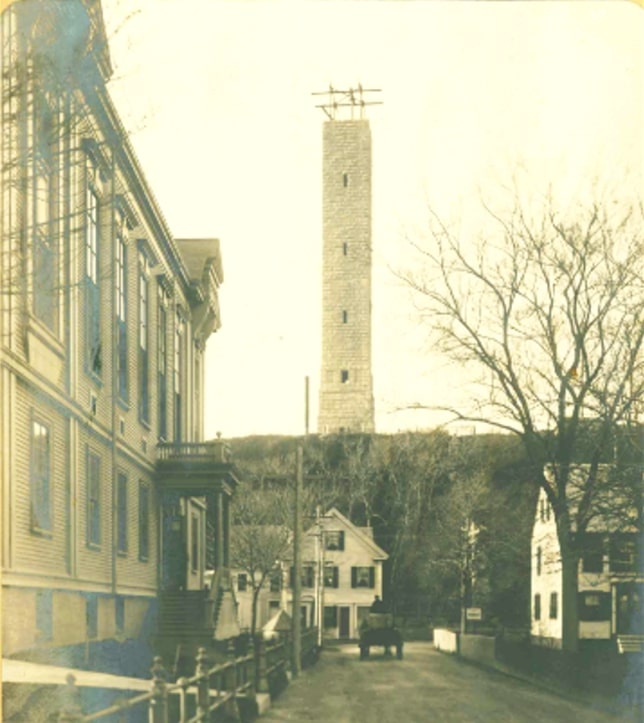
x=195 y=468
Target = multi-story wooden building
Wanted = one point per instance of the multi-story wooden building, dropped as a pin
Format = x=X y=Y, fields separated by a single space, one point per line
x=108 y=492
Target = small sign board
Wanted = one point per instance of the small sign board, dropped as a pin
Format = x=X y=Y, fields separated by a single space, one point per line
x=473 y=613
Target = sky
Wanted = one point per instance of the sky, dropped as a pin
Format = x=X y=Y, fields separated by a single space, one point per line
x=218 y=99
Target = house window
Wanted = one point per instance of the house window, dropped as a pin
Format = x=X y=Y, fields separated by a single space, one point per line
x=40 y=478
x=44 y=614
x=331 y=576
x=162 y=363
x=592 y=554
x=92 y=289
x=242 y=582
x=43 y=207
x=144 y=521
x=330 y=616
x=334 y=540
x=537 y=607
x=144 y=287
x=553 y=605
x=345 y=248
x=344 y=376
x=178 y=376
x=308 y=576
x=93 y=499
x=623 y=553
x=121 y=512
x=276 y=581
x=345 y=316
x=121 y=311
x=594 y=606
x=119 y=614
x=538 y=560
x=345 y=179
x=363 y=577
x=91 y=616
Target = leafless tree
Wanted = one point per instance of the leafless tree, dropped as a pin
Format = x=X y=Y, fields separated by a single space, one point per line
x=547 y=307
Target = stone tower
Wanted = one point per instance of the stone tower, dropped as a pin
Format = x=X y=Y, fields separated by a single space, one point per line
x=346 y=386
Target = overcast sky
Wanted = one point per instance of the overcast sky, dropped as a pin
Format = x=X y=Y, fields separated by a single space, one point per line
x=218 y=98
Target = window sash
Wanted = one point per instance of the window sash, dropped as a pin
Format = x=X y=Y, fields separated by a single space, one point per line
x=41 y=477
x=93 y=499
x=144 y=521
x=122 y=506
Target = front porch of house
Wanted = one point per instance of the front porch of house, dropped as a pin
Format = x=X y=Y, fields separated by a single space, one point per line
x=195 y=482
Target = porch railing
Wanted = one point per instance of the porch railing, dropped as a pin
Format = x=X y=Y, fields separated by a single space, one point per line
x=212 y=692
x=215 y=451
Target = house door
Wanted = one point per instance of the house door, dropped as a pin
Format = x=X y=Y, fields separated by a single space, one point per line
x=630 y=615
x=344 y=621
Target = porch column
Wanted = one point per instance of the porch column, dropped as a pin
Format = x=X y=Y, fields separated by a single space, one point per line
x=219 y=532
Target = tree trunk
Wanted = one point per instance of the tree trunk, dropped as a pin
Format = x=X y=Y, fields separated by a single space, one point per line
x=568 y=603
x=253 y=615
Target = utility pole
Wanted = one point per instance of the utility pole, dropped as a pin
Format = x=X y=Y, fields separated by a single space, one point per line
x=297 y=565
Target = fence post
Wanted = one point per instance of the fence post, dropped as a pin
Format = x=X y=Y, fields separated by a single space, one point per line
x=159 y=700
x=203 y=684
x=230 y=677
x=71 y=708
x=261 y=665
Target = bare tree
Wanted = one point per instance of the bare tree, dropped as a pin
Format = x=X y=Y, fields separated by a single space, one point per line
x=548 y=308
x=260 y=536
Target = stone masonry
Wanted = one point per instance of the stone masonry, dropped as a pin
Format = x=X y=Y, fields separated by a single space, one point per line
x=346 y=387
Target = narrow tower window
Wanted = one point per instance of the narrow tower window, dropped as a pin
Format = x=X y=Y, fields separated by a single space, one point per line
x=344 y=376
x=345 y=179
x=345 y=248
x=345 y=316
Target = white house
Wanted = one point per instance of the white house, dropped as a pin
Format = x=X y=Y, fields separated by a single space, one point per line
x=341 y=575
x=610 y=583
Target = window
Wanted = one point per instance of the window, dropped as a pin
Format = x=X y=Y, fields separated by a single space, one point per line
x=331 y=576
x=344 y=376
x=594 y=605
x=363 y=577
x=330 y=616
x=345 y=248
x=40 y=478
x=44 y=614
x=538 y=561
x=592 y=554
x=144 y=282
x=537 y=607
x=119 y=614
x=92 y=289
x=178 y=376
x=93 y=499
x=91 y=616
x=162 y=363
x=44 y=196
x=242 y=582
x=308 y=576
x=121 y=310
x=623 y=553
x=553 y=605
x=345 y=316
x=276 y=581
x=345 y=179
x=121 y=511
x=334 y=540
x=144 y=521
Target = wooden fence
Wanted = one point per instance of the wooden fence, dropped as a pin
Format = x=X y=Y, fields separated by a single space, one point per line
x=225 y=691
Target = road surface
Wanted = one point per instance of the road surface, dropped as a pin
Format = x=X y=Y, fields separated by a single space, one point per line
x=424 y=686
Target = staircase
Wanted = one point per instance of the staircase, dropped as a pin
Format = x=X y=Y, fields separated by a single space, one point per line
x=630 y=643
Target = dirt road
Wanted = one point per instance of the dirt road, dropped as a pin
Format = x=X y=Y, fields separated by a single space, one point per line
x=424 y=686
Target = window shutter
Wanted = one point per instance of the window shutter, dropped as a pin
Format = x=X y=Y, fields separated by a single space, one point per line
x=341 y=541
x=354 y=577
x=372 y=577
x=336 y=576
